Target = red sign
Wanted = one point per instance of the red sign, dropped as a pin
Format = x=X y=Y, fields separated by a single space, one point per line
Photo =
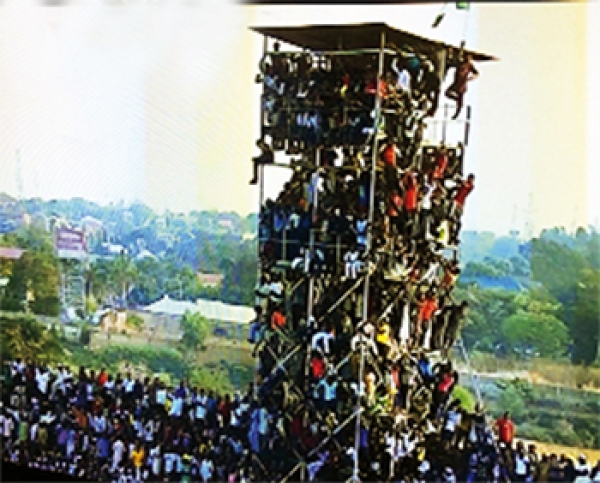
x=70 y=243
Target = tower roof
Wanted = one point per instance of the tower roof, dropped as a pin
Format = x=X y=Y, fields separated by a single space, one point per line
x=357 y=36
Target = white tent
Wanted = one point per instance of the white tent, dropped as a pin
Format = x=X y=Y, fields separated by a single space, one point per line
x=210 y=309
x=168 y=306
x=217 y=310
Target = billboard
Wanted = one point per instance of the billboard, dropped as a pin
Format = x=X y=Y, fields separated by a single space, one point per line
x=69 y=243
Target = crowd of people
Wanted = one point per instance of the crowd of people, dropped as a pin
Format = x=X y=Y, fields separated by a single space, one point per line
x=97 y=426
x=355 y=315
x=312 y=99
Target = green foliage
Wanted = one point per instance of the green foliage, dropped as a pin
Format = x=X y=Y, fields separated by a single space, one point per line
x=195 y=330
x=568 y=268
x=21 y=335
x=586 y=316
x=465 y=396
x=515 y=397
x=167 y=361
x=85 y=337
x=487 y=310
x=545 y=333
x=135 y=321
x=91 y=305
x=212 y=377
x=35 y=276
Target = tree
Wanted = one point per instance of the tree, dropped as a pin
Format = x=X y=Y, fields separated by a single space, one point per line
x=195 y=331
x=567 y=267
x=487 y=310
x=544 y=332
x=23 y=336
x=123 y=273
x=35 y=277
x=586 y=317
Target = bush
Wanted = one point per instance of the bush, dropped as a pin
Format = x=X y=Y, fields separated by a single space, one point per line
x=85 y=336
x=167 y=361
x=465 y=396
x=135 y=321
x=511 y=400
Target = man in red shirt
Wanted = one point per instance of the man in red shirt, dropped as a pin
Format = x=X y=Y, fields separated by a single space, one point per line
x=464 y=73
x=506 y=429
x=463 y=190
x=389 y=155
x=410 y=202
x=441 y=163
x=428 y=307
x=390 y=152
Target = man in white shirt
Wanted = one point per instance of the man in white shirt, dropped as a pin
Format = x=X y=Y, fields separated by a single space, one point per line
x=206 y=469
x=453 y=418
x=42 y=379
x=118 y=449
x=322 y=340
x=329 y=385
x=161 y=396
x=171 y=459
x=353 y=264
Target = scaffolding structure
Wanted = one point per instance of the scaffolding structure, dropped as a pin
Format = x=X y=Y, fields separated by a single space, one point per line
x=352 y=298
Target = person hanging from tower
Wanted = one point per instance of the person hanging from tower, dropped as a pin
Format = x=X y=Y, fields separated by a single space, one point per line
x=266 y=156
x=465 y=72
x=461 y=192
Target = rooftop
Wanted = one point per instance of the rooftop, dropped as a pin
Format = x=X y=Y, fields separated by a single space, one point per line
x=11 y=253
x=357 y=36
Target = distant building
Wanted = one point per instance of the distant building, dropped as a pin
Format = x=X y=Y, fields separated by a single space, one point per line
x=11 y=253
x=145 y=254
x=213 y=280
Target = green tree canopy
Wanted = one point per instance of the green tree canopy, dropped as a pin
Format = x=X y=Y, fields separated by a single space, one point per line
x=21 y=335
x=544 y=332
x=195 y=331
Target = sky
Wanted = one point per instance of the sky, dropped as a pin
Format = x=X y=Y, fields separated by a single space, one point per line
x=155 y=100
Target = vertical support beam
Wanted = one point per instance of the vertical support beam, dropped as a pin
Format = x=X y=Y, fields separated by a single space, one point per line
x=262 y=95
x=467 y=126
x=445 y=123
x=365 y=314
x=261 y=195
x=311 y=279
x=284 y=244
x=261 y=168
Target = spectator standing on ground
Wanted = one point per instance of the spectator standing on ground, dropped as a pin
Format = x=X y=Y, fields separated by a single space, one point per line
x=506 y=429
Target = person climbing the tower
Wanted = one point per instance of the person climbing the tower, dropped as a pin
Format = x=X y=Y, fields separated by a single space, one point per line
x=353 y=264
x=456 y=314
x=458 y=205
x=464 y=73
x=429 y=87
x=256 y=325
x=410 y=202
x=266 y=156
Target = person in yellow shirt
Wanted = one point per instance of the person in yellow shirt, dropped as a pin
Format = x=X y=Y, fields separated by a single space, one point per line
x=137 y=458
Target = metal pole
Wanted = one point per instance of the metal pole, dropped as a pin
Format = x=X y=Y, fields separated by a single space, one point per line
x=261 y=196
x=283 y=242
x=365 y=307
x=444 y=123
x=311 y=280
x=468 y=126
